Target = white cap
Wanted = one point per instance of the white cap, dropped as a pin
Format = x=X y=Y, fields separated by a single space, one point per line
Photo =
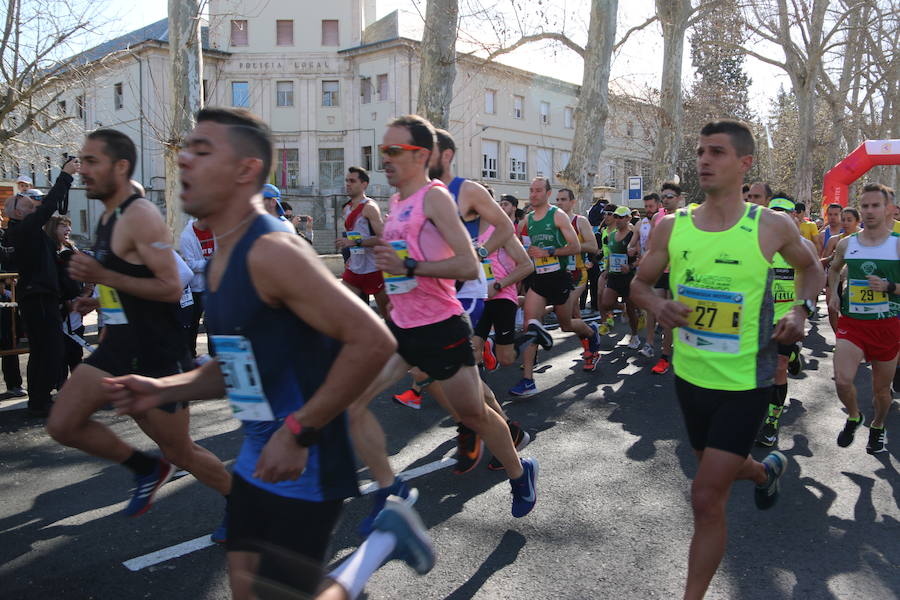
x=24 y=179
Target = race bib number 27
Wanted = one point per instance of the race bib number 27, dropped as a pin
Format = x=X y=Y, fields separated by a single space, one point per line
x=714 y=323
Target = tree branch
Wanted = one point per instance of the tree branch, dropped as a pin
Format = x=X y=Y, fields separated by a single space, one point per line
x=537 y=37
x=634 y=29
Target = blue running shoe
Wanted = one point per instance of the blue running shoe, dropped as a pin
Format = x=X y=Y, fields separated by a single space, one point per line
x=524 y=489
x=145 y=487
x=594 y=340
x=413 y=547
x=766 y=495
x=220 y=535
x=525 y=387
x=400 y=489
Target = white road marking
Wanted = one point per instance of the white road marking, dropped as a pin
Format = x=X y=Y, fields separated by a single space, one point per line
x=154 y=558
x=14 y=405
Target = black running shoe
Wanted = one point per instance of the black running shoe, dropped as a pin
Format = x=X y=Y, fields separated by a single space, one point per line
x=520 y=439
x=469 y=448
x=768 y=435
x=845 y=437
x=542 y=336
x=795 y=362
x=877 y=440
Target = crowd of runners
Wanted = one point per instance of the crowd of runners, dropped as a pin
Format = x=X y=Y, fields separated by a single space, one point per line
x=461 y=284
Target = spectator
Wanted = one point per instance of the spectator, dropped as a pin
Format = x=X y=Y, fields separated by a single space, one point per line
x=197 y=247
x=23 y=184
x=12 y=375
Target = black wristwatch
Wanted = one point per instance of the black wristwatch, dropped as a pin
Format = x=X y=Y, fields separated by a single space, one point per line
x=358 y=242
x=410 y=264
x=891 y=288
x=551 y=251
x=304 y=436
x=809 y=306
x=497 y=286
x=482 y=252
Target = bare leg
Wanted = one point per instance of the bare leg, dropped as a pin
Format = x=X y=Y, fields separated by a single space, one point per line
x=882 y=377
x=847 y=357
x=534 y=309
x=242 y=567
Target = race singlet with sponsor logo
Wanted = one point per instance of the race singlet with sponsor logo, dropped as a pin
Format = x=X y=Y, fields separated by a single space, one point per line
x=882 y=261
x=242 y=380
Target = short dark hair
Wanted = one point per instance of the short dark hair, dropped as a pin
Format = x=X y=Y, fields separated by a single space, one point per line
x=768 y=189
x=739 y=132
x=420 y=130
x=834 y=205
x=248 y=135
x=117 y=146
x=745 y=188
x=610 y=208
x=510 y=198
x=545 y=180
x=569 y=192
x=671 y=185
x=798 y=206
x=286 y=207
x=360 y=172
x=878 y=187
x=652 y=196
x=444 y=140
x=852 y=211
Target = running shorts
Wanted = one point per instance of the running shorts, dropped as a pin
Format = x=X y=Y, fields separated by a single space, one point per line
x=724 y=420
x=879 y=339
x=788 y=349
x=474 y=307
x=501 y=315
x=368 y=283
x=554 y=287
x=620 y=283
x=439 y=349
x=291 y=535
x=579 y=277
x=663 y=282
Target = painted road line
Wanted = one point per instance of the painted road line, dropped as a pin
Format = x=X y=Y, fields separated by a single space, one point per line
x=204 y=541
x=15 y=405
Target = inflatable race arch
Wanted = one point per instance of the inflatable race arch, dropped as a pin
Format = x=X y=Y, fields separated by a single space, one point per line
x=869 y=154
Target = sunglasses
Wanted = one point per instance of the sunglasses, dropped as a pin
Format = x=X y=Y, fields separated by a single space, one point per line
x=622 y=216
x=669 y=196
x=397 y=149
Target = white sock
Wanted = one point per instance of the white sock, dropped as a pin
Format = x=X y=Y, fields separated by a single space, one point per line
x=536 y=323
x=354 y=573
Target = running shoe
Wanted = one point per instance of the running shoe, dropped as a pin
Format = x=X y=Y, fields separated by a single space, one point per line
x=611 y=320
x=413 y=546
x=795 y=363
x=661 y=367
x=603 y=329
x=220 y=535
x=525 y=387
x=877 y=440
x=542 y=337
x=586 y=345
x=146 y=486
x=520 y=439
x=768 y=435
x=410 y=398
x=766 y=495
x=845 y=437
x=13 y=393
x=469 y=448
x=647 y=351
x=400 y=489
x=488 y=356
x=524 y=489
x=634 y=342
x=590 y=363
x=594 y=340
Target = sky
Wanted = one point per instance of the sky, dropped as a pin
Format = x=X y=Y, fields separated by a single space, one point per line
x=638 y=63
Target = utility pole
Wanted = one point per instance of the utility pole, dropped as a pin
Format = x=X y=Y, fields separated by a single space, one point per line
x=186 y=75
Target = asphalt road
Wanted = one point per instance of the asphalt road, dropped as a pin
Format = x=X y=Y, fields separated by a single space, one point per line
x=613 y=518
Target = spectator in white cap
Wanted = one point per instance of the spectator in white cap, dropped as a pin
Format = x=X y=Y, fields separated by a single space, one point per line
x=23 y=184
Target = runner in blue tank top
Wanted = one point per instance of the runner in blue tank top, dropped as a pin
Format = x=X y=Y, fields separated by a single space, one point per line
x=288 y=367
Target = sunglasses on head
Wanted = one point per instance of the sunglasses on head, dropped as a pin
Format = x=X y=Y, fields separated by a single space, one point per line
x=397 y=149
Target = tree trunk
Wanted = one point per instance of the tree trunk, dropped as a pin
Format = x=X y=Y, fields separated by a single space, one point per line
x=673 y=16
x=593 y=103
x=186 y=56
x=438 y=64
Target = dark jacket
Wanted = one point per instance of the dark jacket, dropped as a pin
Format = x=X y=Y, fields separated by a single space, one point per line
x=35 y=252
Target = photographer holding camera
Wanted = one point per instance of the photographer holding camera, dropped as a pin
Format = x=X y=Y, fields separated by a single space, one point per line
x=38 y=290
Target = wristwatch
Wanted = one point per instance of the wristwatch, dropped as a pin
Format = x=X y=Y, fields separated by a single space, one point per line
x=497 y=286
x=551 y=251
x=304 y=436
x=809 y=306
x=410 y=264
x=482 y=252
x=357 y=243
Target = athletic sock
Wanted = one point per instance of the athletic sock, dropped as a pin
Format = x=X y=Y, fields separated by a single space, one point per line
x=140 y=463
x=856 y=420
x=780 y=393
x=664 y=356
x=354 y=573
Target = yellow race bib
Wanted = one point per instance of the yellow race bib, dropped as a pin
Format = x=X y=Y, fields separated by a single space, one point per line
x=865 y=300
x=714 y=323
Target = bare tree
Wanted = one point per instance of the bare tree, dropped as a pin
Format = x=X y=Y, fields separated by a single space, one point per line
x=438 y=66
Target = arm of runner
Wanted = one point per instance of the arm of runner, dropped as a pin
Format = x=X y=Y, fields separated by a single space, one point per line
x=376 y=224
x=834 y=275
x=136 y=394
x=481 y=202
x=801 y=254
x=634 y=246
x=669 y=313
x=589 y=244
x=462 y=266
x=573 y=246
x=524 y=267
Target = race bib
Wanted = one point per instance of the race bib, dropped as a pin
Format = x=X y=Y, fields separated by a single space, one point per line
x=242 y=380
x=399 y=284
x=546 y=264
x=111 y=306
x=866 y=301
x=714 y=323
x=353 y=236
x=187 y=298
x=488 y=271
x=616 y=262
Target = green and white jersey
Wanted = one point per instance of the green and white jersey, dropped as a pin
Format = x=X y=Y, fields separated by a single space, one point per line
x=860 y=301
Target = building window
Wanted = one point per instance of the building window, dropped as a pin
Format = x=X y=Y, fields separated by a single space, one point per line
x=331 y=168
x=366 y=158
x=645 y=173
x=205 y=92
x=284 y=93
x=629 y=129
x=239 y=32
x=543 y=159
x=611 y=175
x=365 y=89
x=545 y=113
x=519 y=107
x=490 y=102
x=630 y=169
x=61 y=108
x=490 y=152
x=79 y=107
x=118 y=99
x=330 y=91
x=569 y=118
x=518 y=162
x=48 y=169
x=330 y=35
x=284 y=33
x=383 y=87
x=288 y=167
x=240 y=94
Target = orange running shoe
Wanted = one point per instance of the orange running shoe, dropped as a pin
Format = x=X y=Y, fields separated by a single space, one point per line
x=586 y=344
x=410 y=398
x=488 y=356
x=591 y=362
x=662 y=367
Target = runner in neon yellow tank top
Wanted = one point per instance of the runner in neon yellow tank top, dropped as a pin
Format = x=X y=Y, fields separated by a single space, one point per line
x=868 y=327
x=720 y=254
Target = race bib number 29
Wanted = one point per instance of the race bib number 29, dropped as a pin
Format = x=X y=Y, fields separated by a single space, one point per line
x=242 y=380
x=866 y=301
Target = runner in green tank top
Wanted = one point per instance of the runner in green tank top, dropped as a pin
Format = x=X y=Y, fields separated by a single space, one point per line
x=868 y=327
x=720 y=275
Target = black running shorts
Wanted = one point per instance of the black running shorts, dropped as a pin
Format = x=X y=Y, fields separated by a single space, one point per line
x=554 y=287
x=439 y=349
x=621 y=284
x=501 y=315
x=788 y=349
x=663 y=282
x=723 y=420
x=291 y=535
